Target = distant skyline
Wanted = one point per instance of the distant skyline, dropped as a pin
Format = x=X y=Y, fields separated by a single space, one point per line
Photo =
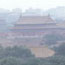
x=35 y=4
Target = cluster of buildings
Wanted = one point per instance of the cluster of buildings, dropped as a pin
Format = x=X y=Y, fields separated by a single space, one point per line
x=30 y=30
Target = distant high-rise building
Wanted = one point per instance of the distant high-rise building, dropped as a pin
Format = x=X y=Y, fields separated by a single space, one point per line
x=33 y=12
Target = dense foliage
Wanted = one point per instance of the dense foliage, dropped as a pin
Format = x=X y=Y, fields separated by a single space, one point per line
x=51 y=39
x=19 y=52
x=23 y=56
x=60 y=50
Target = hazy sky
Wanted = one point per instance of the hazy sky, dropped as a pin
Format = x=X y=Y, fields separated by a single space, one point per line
x=25 y=4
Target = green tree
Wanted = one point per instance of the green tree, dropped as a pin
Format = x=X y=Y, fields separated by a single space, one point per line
x=60 y=50
x=19 y=52
x=52 y=38
x=10 y=61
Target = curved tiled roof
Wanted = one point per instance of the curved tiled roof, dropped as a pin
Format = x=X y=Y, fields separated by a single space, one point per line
x=35 y=20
